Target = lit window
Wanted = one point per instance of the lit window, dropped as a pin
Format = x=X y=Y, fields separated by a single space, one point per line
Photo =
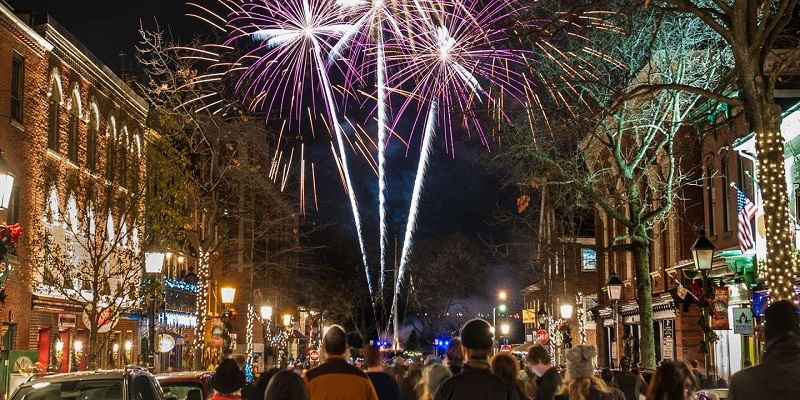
x=589 y=260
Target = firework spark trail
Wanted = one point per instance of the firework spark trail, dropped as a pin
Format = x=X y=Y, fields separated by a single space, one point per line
x=455 y=53
x=291 y=36
x=381 y=71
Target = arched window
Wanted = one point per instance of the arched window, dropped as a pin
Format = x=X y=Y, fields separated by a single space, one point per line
x=74 y=108
x=91 y=221
x=122 y=151
x=110 y=228
x=91 y=137
x=53 y=110
x=72 y=214
x=51 y=213
x=111 y=148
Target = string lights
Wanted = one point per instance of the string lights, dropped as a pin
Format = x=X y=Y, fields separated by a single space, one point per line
x=580 y=315
x=201 y=311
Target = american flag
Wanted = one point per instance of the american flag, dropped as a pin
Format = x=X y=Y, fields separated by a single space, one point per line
x=747 y=210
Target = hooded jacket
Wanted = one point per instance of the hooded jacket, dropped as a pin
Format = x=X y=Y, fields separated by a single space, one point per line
x=776 y=378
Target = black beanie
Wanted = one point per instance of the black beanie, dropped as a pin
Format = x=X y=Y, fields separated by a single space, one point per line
x=477 y=334
x=781 y=318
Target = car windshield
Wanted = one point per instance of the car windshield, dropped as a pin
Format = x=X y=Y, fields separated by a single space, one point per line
x=182 y=390
x=74 y=390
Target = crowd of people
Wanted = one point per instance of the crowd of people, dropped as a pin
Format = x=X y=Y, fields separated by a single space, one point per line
x=469 y=371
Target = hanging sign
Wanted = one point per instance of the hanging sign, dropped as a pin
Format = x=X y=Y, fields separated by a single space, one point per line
x=719 y=320
x=5 y=269
x=742 y=321
x=165 y=343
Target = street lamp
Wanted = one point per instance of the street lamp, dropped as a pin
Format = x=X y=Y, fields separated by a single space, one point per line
x=504 y=330
x=502 y=295
x=541 y=316
x=566 y=311
x=266 y=317
x=153 y=264
x=6 y=182
x=703 y=253
x=614 y=289
x=228 y=294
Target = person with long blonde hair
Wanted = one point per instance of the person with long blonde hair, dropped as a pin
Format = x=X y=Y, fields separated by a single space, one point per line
x=580 y=383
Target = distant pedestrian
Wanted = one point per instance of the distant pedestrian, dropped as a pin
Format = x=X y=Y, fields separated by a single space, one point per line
x=286 y=385
x=630 y=384
x=698 y=373
x=476 y=381
x=335 y=378
x=227 y=381
x=549 y=381
x=778 y=374
x=673 y=380
x=454 y=356
x=409 y=385
x=385 y=386
x=506 y=368
x=608 y=377
x=580 y=383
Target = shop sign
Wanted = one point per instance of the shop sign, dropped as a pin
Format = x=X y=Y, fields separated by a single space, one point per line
x=719 y=320
x=67 y=320
x=669 y=328
x=742 y=321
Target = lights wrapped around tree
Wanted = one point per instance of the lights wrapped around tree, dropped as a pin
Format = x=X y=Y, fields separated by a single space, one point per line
x=201 y=309
x=251 y=313
x=581 y=317
x=9 y=235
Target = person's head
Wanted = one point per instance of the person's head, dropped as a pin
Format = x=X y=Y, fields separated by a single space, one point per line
x=506 y=368
x=433 y=376
x=286 y=385
x=431 y=359
x=625 y=364
x=228 y=378
x=372 y=356
x=580 y=361
x=455 y=353
x=538 y=359
x=240 y=359
x=477 y=338
x=672 y=381
x=607 y=375
x=335 y=341
x=695 y=364
x=780 y=319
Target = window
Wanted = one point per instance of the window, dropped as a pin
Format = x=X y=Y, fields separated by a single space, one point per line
x=17 y=86
x=122 y=151
x=111 y=149
x=52 y=124
x=91 y=142
x=589 y=260
x=726 y=196
x=711 y=199
x=72 y=145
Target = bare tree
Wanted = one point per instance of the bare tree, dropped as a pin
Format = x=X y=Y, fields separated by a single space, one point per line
x=628 y=162
x=764 y=47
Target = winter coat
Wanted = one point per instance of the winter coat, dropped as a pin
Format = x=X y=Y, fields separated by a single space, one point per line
x=548 y=385
x=475 y=382
x=776 y=378
x=631 y=385
x=335 y=379
x=594 y=394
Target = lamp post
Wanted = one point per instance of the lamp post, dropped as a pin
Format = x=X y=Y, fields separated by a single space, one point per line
x=228 y=294
x=703 y=253
x=266 y=317
x=566 y=315
x=153 y=264
x=614 y=289
x=287 y=322
x=504 y=330
x=502 y=296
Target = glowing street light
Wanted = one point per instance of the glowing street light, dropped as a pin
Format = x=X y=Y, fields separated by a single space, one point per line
x=228 y=294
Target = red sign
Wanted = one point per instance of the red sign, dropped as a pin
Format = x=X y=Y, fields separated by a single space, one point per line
x=506 y=348
x=542 y=336
x=313 y=355
x=719 y=320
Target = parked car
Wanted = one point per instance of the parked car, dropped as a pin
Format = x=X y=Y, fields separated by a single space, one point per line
x=123 y=384
x=192 y=385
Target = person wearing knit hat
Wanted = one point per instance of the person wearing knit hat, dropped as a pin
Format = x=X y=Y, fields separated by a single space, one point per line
x=581 y=384
x=776 y=377
x=227 y=381
x=476 y=381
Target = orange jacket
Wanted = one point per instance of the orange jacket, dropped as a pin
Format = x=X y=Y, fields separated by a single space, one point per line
x=335 y=379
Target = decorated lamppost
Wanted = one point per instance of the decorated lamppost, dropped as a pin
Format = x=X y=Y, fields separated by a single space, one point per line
x=614 y=289
x=703 y=254
x=266 y=318
x=227 y=294
x=153 y=264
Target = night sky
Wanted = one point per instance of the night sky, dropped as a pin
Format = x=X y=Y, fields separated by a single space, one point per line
x=458 y=197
